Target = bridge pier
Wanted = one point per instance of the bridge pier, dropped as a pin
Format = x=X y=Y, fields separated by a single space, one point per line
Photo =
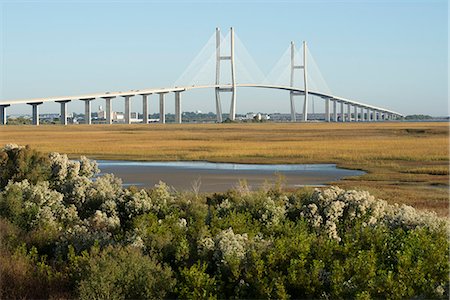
x=63 y=114
x=342 y=112
x=293 y=117
x=162 y=109
x=127 y=109
x=35 y=112
x=327 y=110
x=3 y=113
x=87 y=110
x=178 y=107
x=335 y=114
x=145 y=109
x=349 y=113
x=108 y=112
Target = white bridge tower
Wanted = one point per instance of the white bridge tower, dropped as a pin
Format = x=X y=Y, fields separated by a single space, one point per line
x=232 y=88
x=305 y=80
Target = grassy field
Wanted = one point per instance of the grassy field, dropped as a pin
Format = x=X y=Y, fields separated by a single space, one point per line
x=406 y=162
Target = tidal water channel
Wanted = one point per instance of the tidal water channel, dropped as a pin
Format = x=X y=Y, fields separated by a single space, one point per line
x=219 y=177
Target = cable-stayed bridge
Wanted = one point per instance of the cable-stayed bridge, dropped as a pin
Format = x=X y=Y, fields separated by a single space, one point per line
x=336 y=108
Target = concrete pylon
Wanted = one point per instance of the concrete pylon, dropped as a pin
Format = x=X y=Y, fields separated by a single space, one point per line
x=145 y=109
x=35 y=112
x=335 y=114
x=87 y=110
x=3 y=113
x=342 y=112
x=108 y=111
x=349 y=113
x=305 y=80
x=292 y=94
x=127 y=109
x=355 y=112
x=294 y=66
x=63 y=115
x=162 y=109
x=178 y=107
x=232 y=88
x=327 y=110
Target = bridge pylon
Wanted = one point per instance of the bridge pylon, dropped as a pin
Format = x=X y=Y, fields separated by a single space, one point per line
x=231 y=89
x=305 y=80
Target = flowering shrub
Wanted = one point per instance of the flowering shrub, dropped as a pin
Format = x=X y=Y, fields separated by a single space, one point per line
x=333 y=208
x=93 y=238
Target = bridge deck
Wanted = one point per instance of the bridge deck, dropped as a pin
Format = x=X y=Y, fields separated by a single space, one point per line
x=150 y=91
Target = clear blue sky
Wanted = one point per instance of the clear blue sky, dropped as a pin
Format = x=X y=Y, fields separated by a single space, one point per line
x=389 y=53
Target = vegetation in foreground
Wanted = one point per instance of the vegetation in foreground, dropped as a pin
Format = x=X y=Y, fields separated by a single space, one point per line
x=64 y=234
x=406 y=162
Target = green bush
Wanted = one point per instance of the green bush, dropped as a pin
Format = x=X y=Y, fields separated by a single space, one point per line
x=196 y=283
x=20 y=163
x=122 y=273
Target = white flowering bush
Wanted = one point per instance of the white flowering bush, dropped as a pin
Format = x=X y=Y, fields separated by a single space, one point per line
x=135 y=204
x=163 y=199
x=230 y=246
x=37 y=206
x=333 y=208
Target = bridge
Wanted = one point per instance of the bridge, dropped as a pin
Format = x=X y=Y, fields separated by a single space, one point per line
x=361 y=111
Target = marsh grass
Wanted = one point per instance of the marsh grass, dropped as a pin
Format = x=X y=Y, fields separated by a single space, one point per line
x=409 y=160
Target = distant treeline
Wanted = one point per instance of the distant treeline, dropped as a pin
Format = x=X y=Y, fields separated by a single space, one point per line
x=421 y=117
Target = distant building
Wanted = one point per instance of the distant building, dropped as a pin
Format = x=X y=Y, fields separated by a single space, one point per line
x=258 y=117
x=118 y=117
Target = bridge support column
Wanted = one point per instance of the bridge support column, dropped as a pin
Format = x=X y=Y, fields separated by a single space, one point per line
x=232 y=114
x=233 y=78
x=162 y=112
x=87 y=111
x=355 y=112
x=144 y=109
x=35 y=112
x=178 y=107
x=349 y=113
x=218 y=107
x=342 y=112
x=63 y=115
x=108 y=111
x=335 y=114
x=3 y=114
x=327 y=110
x=127 y=109
x=293 y=117
x=368 y=115
x=305 y=80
